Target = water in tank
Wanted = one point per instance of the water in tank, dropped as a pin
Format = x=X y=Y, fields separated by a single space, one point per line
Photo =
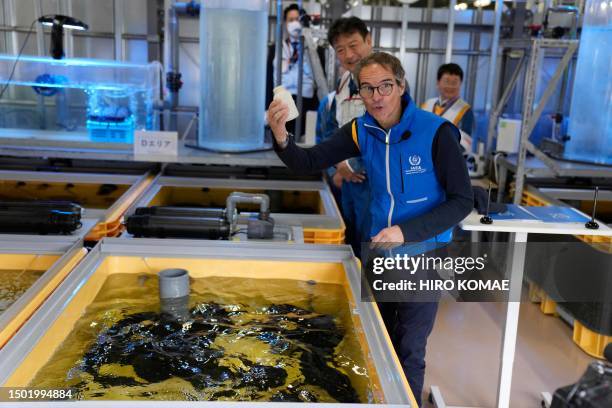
x=233 y=37
x=590 y=125
x=86 y=99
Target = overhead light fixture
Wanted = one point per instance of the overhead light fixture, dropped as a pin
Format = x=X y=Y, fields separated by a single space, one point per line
x=482 y=3
x=461 y=6
x=57 y=23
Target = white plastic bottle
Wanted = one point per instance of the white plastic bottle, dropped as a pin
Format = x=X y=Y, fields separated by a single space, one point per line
x=280 y=93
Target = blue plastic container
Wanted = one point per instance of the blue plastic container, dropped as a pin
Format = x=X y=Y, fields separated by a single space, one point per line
x=111 y=131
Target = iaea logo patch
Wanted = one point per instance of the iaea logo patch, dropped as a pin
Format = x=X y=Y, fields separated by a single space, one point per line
x=414 y=160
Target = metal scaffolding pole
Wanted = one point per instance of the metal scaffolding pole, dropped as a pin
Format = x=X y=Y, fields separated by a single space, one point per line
x=473 y=60
x=154 y=24
x=279 y=43
x=499 y=106
x=493 y=68
x=531 y=116
x=40 y=34
x=118 y=26
x=451 y=31
x=404 y=33
x=300 y=84
x=421 y=88
x=66 y=8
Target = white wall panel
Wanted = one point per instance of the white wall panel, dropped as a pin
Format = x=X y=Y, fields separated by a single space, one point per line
x=99 y=15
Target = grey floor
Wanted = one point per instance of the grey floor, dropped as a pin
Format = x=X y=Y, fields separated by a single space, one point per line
x=463 y=354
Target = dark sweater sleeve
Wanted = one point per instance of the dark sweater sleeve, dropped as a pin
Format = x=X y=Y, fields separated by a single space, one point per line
x=303 y=161
x=467 y=122
x=451 y=172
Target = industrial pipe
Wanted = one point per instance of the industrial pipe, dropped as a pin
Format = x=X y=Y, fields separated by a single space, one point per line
x=246 y=198
x=279 y=43
x=173 y=76
x=315 y=63
x=300 y=84
x=170 y=211
x=174 y=293
x=403 y=32
x=451 y=31
x=490 y=95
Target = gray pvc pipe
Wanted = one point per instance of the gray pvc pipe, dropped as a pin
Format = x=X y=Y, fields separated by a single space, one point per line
x=174 y=293
x=173 y=283
x=247 y=198
x=315 y=64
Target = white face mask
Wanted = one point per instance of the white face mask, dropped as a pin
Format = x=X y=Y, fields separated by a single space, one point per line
x=294 y=28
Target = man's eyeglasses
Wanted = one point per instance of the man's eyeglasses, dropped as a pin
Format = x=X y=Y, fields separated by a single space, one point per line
x=367 y=91
x=450 y=82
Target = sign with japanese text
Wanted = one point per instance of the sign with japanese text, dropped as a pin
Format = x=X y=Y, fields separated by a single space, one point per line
x=155 y=143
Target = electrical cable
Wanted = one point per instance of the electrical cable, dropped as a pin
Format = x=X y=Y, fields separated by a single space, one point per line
x=25 y=41
x=239 y=231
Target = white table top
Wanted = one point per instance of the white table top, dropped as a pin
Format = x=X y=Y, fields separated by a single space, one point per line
x=472 y=223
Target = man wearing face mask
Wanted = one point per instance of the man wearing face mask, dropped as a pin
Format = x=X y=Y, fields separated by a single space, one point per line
x=290 y=65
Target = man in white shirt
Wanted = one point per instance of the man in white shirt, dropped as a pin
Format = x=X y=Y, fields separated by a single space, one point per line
x=352 y=42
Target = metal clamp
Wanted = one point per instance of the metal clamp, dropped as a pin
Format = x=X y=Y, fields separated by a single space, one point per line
x=173 y=81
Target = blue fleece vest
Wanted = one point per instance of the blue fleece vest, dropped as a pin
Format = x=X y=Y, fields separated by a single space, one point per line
x=401 y=173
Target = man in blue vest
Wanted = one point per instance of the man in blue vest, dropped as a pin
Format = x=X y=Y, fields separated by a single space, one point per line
x=419 y=182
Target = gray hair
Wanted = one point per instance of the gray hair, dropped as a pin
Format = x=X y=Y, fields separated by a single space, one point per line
x=386 y=60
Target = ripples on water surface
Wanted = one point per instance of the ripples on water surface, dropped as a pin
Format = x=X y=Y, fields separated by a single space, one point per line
x=246 y=339
x=13 y=284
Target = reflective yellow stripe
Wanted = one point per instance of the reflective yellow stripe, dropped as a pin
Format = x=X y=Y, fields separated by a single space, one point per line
x=438 y=110
x=460 y=114
x=354 y=128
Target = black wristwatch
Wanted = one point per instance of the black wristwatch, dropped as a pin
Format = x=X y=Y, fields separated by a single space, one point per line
x=285 y=143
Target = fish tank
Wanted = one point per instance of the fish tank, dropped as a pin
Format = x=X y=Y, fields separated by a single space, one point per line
x=30 y=270
x=257 y=323
x=77 y=99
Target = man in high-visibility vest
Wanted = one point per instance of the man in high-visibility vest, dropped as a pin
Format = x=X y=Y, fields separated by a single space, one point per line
x=449 y=104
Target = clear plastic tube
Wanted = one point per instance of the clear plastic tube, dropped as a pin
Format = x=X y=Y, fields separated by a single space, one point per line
x=590 y=123
x=233 y=38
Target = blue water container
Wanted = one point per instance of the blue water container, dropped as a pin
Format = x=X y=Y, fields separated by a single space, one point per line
x=111 y=131
x=590 y=124
x=233 y=38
